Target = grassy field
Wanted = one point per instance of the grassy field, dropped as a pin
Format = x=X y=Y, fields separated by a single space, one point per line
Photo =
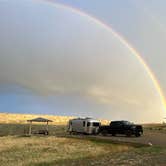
x=59 y=148
x=52 y=150
x=155 y=127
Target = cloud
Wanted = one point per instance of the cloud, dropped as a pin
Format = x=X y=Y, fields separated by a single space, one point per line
x=55 y=52
x=108 y=96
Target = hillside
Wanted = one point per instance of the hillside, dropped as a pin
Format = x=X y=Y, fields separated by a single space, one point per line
x=9 y=118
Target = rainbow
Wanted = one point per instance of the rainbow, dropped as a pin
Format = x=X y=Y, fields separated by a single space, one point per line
x=121 y=39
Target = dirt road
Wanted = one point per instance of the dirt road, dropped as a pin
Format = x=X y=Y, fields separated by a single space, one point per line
x=149 y=137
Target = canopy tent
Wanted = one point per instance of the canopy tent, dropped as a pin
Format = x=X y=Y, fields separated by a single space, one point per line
x=39 y=119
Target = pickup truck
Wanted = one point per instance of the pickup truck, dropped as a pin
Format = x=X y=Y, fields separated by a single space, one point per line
x=121 y=127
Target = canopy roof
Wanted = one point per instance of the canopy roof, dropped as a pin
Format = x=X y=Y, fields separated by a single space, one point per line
x=39 y=120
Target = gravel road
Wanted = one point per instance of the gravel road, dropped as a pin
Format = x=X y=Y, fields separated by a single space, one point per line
x=149 y=137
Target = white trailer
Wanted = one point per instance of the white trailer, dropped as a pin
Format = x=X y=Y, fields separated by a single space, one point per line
x=84 y=125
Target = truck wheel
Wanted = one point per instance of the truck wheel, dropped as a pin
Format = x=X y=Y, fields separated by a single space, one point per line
x=104 y=133
x=113 y=134
x=138 y=134
x=128 y=133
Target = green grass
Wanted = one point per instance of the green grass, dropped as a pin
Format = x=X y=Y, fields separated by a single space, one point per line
x=151 y=150
x=22 y=129
x=156 y=128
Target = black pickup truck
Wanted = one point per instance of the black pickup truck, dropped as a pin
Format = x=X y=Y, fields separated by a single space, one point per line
x=121 y=127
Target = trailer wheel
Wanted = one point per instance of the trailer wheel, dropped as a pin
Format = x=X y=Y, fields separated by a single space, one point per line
x=70 y=132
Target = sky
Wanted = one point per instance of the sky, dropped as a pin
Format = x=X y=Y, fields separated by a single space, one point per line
x=55 y=58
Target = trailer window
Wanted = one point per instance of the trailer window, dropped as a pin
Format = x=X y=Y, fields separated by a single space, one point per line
x=96 y=124
x=88 y=124
x=83 y=123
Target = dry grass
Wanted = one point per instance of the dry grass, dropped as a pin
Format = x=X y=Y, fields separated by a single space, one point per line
x=8 y=118
x=34 y=150
x=52 y=151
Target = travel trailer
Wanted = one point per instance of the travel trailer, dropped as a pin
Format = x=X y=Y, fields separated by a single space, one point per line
x=84 y=125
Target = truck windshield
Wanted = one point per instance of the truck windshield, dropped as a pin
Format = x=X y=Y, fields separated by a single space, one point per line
x=127 y=123
x=96 y=124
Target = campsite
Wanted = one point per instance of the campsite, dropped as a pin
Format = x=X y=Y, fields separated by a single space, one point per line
x=60 y=148
x=82 y=83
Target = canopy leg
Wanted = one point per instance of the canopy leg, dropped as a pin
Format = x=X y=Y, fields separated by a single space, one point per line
x=47 y=127
x=30 y=128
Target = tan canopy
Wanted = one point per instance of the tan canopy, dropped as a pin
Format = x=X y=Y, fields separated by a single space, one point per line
x=39 y=119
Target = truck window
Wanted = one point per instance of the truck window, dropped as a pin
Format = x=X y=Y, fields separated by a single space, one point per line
x=83 y=123
x=116 y=124
x=96 y=124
